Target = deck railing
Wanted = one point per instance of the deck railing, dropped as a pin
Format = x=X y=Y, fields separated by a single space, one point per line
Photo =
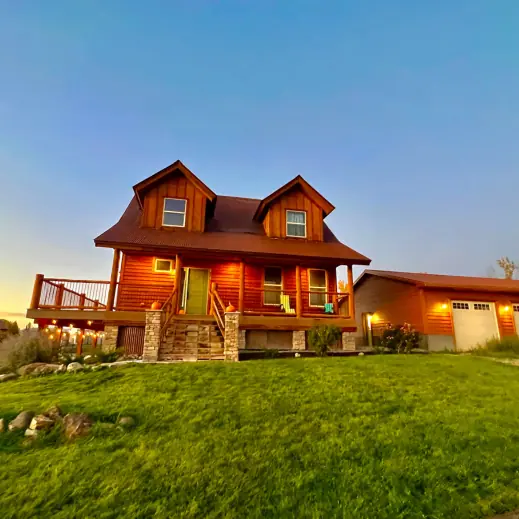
x=72 y=294
x=217 y=308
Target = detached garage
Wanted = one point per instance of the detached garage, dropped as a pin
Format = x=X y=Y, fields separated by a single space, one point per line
x=452 y=312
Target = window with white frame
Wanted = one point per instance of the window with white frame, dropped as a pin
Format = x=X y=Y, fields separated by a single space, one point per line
x=317 y=284
x=273 y=285
x=163 y=265
x=174 y=214
x=296 y=224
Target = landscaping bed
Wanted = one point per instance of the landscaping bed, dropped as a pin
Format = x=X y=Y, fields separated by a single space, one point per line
x=388 y=436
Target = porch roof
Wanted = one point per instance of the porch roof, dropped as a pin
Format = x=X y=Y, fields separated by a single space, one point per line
x=232 y=229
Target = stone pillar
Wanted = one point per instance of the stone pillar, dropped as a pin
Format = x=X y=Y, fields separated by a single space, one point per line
x=152 y=336
x=232 y=339
x=348 y=341
x=299 y=340
x=110 y=339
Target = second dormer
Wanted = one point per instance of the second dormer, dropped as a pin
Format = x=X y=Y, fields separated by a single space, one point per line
x=296 y=210
x=174 y=198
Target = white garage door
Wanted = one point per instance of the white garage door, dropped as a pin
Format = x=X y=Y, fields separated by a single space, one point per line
x=474 y=323
x=516 y=318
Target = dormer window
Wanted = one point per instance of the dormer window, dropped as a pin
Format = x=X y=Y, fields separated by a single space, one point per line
x=174 y=214
x=296 y=224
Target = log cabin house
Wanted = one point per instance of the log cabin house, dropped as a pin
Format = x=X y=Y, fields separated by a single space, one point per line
x=201 y=276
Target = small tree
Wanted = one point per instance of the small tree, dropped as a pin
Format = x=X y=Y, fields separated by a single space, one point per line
x=509 y=267
x=400 y=339
x=322 y=338
x=12 y=328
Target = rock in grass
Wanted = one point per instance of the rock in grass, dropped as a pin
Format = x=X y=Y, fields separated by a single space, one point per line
x=32 y=433
x=22 y=421
x=54 y=412
x=126 y=422
x=77 y=425
x=75 y=366
x=2 y=425
x=7 y=376
x=41 y=423
x=38 y=368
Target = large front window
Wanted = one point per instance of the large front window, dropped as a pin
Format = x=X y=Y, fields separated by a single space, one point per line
x=296 y=224
x=174 y=212
x=273 y=286
x=317 y=286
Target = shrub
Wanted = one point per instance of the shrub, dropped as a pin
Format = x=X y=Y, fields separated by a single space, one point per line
x=400 y=339
x=28 y=347
x=506 y=346
x=110 y=356
x=322 y=338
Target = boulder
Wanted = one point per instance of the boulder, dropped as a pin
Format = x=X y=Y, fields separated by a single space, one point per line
x=2 y=425
x=77 y=425
x=7 y=376
x=32 y=433
x=126 y=421
x=54 y=412
x=41 y=423
x=75 y=366
x=22 y=421
x=38 y=368
x=62 y=368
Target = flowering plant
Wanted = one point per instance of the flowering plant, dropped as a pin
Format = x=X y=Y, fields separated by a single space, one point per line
x=400 y=339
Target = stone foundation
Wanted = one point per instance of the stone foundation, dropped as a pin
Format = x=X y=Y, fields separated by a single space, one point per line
x=110 y=339
x=152 y=336
x=299 y=340
x=232 y=336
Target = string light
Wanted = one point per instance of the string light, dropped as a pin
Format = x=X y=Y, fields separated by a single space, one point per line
x=54 y=321
x=89 y=323
x=51 y=337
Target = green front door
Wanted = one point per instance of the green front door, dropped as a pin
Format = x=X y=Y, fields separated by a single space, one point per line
x=195 y=287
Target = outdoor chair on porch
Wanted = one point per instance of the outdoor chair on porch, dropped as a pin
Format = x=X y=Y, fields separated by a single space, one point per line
x=285 y=304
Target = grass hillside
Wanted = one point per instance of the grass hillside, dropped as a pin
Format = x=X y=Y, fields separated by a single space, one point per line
x=372 y=437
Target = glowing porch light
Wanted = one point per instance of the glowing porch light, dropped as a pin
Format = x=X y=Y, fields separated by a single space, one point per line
x=54 y=321
x=444 y=306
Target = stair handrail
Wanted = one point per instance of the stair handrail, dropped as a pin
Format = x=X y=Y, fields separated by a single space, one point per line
x=216 y=302
x=168 y=311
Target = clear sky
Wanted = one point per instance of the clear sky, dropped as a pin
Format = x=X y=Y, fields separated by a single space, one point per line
x=404 y=114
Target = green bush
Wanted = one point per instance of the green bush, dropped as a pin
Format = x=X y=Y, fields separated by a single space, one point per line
x=507 y=346
x=322 y=338
x=400 y=339
x=28 y=347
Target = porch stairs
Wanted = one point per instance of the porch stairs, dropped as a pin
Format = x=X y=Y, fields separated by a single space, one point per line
x=192 y=339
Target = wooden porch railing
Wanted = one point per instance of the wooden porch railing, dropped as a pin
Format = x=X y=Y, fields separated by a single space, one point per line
x=300 y=308
x=217 y=308
x=168 y=311
x=71 y=294
x=74 y=294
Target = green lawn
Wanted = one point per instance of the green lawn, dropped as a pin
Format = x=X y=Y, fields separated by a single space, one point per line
x=367 y=437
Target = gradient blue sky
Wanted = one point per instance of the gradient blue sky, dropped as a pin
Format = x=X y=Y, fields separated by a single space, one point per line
x=404 y=114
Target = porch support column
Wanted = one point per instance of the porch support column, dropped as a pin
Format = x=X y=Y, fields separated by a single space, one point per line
x=152 y=336
x=178 y=277
x=36 y=292
x=241 y=292
x=299 y=302
x=232 y=336
x=351 y=302
x=110 y=338
x=113 y=280
x=79 y=341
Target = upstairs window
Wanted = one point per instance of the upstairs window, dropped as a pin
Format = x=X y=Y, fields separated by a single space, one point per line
x=296 y=224
x=274 y=284
x=174 y=212
x=317 y=286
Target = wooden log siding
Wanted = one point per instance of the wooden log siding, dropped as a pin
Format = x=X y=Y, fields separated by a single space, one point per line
x=175 y=186
x=138 y=269
x=275 y=220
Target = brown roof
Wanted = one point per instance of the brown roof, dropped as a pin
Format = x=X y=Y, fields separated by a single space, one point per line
x=444 y=281
x=232 y=229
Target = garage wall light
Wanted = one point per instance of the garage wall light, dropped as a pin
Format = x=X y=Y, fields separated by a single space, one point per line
x=506 y=308
x=444 y=306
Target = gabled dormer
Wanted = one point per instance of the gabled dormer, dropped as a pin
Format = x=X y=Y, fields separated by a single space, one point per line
x=296 y=210
x=174 y=198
